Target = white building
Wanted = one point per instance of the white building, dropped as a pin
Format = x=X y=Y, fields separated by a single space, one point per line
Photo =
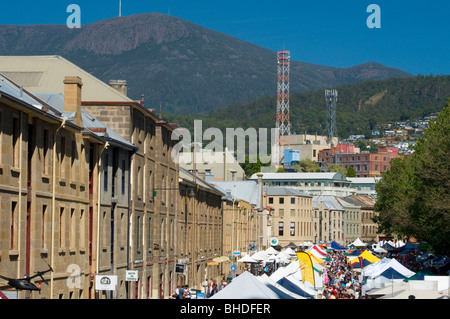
x=313 y=184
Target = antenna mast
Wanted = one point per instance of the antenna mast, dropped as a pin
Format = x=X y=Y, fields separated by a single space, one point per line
x=331 y=99
x=283 y=123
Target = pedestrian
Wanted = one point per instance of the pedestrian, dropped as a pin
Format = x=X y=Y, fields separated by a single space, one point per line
x=181 y=292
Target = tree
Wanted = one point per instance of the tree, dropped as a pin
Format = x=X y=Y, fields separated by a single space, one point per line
x=252 y=168
x=413 y=196
x=332 y=167
x=351 y=172
x=307 y=165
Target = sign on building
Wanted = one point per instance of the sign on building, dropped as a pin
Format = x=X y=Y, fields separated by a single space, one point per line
x=179 y=268
x=105 y=282
x=131 y=275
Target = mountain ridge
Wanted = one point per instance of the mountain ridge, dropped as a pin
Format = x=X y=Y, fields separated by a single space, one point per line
x=184 y=67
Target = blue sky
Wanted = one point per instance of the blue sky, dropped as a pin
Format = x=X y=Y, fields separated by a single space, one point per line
x=414 y=34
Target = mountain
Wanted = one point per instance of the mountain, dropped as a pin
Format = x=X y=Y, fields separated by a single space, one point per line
x=360 y=107
x=177 y=64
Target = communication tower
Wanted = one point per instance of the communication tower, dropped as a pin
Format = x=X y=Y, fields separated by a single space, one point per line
x=331 y=100
x=283 y=123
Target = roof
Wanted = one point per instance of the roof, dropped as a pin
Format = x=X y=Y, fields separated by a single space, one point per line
x=361 y=200
x=364 y=180
x=46 y=74
x=249 y=191
x=247 y=286
x=302 y=176
x=284 y=191
x=329 y=202
x=189 y=177
x=56 y=100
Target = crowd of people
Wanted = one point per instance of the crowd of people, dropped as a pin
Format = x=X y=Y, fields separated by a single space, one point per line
x=210 y=289
x=342 y=281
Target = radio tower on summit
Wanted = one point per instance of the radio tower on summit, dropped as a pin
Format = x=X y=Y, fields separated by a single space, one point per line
x=283 y=123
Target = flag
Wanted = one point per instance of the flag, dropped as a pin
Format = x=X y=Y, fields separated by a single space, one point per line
x=306 y=267
x=326 y=280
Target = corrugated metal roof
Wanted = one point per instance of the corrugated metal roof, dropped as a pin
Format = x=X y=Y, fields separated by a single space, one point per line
x=302 y=176
x=186 y=175
x=363 y=200
x=12 y=89
x=284 y=191
x=329 y=202
x=56 y=100
x=249 y=191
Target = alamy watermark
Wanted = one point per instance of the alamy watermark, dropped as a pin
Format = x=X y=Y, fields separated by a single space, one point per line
x=250 y=145
x=74 y=19
x=374 y=19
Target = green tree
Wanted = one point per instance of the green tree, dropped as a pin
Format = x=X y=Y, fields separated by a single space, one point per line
x=252 y=168
x=332 y=167
x=413 y=196
x=307 y=165
x=351 y=172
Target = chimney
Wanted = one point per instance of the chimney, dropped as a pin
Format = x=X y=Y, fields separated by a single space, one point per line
x=119 y=85
x=202 y=175
x=72 y=97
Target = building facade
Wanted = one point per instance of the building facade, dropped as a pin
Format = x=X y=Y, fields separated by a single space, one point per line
x=199 y=233
x=364 y=164
x=291 y=215
x=56 y=160
x=149 y=249
x=369 y=229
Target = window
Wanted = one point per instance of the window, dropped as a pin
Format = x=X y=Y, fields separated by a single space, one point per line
x=281 y=212
x=292 y=229
x=73 y=167
x=281 y=200
x=43 y=228
x=105 y=173
x=123 y=177
x=73 y=230
x=61 y=226
x=45 y=160
x=270 y=200
x=280 y=228
x=292 y=212
x=138 y=228
x=15 y=141
x=63 y=153
x=13 y=221
x=292 y=200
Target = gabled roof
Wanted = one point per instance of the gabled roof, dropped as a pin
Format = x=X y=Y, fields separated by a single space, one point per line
x=249 y=191
x=284 y=191
x=329 y=202
x=361 y=200
x=46 y=74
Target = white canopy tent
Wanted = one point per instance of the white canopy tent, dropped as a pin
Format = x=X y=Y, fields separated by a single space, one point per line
x=271 y=251
x=358 y=243
x=247 y=286
x=247 y=259
x=268 y=281
x=392 y=263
